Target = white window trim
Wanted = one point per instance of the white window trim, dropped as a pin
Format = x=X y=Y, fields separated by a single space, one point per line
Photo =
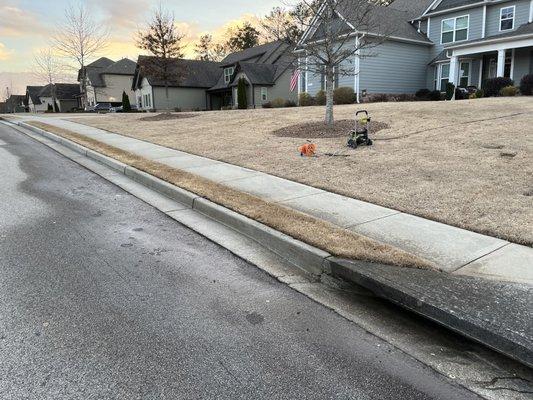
x=455 y=28
x=227 y=77
x=514 y=18
x=264 y=94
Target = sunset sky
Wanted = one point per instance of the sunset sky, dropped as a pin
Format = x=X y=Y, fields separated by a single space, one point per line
x=25 y=27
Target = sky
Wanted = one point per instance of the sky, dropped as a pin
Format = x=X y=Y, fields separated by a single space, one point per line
x=26 y=25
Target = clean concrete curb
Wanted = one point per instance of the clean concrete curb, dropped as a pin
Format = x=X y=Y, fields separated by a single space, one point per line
x=301 y=255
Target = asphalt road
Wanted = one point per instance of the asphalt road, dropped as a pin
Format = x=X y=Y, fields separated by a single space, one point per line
x=104 y=297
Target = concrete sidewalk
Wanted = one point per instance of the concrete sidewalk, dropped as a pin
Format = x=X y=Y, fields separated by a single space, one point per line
x=451 y=249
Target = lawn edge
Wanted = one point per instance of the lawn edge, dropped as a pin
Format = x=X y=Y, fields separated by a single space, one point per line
x=294 y=248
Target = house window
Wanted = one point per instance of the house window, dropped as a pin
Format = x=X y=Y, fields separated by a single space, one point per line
x=464 y=78
x=228 y=73
x=507 y=18
x=444 y=76
x=455 y=29
x=264 y=94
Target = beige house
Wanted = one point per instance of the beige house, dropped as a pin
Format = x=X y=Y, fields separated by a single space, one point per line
x=105 y=80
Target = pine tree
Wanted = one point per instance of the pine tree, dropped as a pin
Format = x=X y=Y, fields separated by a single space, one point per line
x=242 y=101
x=243 y=38
x=203 y=48
x=126 y=106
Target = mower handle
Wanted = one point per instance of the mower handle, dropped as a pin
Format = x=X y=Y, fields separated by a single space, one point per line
x=360 y=112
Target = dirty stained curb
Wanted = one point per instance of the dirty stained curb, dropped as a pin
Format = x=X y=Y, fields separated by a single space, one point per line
x=305 y=257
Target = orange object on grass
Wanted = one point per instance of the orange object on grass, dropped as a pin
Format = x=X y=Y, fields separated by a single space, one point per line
x=307 y=150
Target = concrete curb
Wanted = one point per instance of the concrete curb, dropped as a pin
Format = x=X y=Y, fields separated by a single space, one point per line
x=307 y=258
x=430 y=305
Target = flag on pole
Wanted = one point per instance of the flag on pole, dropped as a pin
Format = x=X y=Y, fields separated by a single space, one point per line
x=294 y=79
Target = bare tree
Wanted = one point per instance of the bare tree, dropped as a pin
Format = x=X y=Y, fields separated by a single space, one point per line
x=161 y=39
x=219 y=52
x=274 y=24
x=337 y=32
x=79 y=37
x=47 y=68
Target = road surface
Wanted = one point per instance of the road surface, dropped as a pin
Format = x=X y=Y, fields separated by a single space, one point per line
x=104 y=297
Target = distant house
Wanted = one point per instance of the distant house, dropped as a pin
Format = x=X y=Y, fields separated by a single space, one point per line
x=15 y=103
x=266 y=70
x=187 y=86
x=3 y=107
x=207 y=85
x=105 y=80
x=32 y=100
x=41 y=98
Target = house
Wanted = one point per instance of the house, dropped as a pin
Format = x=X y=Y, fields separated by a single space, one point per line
x=3 y=107
x=32 y=100
x=15 y=104
x=267 y=71
x=431 y=43
x=207 y=85
x=41 y=98
x=187 y=84
x=104 y=81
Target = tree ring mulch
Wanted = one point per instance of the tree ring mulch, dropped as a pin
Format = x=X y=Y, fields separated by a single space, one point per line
x=167 y=117
x=318 y=130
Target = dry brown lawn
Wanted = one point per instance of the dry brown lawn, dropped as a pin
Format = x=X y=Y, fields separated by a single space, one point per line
x=465 y=163
x=311 y=230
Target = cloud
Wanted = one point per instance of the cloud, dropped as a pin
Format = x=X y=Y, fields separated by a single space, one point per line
x=5 y=54
x=18 y=22
x=124 y=14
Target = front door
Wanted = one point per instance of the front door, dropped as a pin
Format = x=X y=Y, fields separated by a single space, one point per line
x=490 y=66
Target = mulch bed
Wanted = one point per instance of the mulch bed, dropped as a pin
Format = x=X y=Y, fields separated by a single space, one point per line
x=167 y=116
x=317 y=130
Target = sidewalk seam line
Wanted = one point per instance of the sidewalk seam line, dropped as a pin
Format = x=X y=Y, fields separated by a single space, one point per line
x=480 y=257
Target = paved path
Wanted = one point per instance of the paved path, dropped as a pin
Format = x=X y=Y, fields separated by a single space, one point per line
x=452 y=249
x=103 y=297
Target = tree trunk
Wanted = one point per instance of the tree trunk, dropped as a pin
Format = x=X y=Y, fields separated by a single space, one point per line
x=329 y=96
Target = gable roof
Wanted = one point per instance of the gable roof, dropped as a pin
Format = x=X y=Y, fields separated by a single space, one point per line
x=32 y=92
x=446 y=4
x=102 y=62
x=257 y=74
x=63 y=91
x=413 y=8
x=389 y=22
x=122 y=67
x=188 y=73
x=261 y=53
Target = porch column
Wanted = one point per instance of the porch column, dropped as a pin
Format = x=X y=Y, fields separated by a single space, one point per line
x=453 y=70
x=501 y=63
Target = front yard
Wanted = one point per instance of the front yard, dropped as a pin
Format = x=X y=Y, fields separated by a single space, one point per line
x=465 y=163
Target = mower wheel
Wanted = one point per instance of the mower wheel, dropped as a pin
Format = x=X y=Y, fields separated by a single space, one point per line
x=369 y=142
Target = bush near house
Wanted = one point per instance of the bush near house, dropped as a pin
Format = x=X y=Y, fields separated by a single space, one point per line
x=290 y=103
x=268 y=104
x=242 y=101
x=344 y=95
x=320 y=98
x=450 y=90
x=509 y=91
x=278 y=103
x=526 y=85
x=435 y=95
x=422 y=94
x=492 y=87
x=126 y=106
x=305 y=100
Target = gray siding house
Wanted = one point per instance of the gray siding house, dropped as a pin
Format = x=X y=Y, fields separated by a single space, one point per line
x=433 y=42
x=207 y=85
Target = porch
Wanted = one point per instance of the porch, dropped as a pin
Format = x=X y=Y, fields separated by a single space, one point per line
x=509 y=56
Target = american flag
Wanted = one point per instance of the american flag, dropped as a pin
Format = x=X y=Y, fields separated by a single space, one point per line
x=294 y=79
